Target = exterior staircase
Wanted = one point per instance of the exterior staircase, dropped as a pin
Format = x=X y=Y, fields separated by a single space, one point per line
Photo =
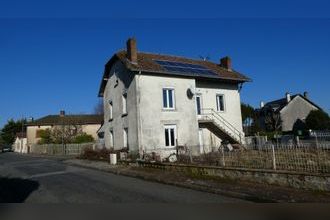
x=212 y=120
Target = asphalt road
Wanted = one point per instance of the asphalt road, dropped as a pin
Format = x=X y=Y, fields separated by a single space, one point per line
x=31 y=179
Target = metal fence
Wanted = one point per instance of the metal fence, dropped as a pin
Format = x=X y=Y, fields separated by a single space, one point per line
x=301 y=158
x=59 y=149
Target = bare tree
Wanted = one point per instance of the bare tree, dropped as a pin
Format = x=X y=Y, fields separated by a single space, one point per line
x=272 y=119
x=66 y=130
x=99 y=108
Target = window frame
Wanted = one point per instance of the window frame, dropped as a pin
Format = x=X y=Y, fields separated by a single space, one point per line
x=218 y=102
x=110 y=110
x=112 y=139
x=167 y=107
x=198 y=95
x=124 y=102
x=125 y=138
x=169 y=136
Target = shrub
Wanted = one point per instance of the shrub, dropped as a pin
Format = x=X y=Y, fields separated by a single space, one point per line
x=45 y=135
x=318 y=120
x=90 y=154
x=83 y=138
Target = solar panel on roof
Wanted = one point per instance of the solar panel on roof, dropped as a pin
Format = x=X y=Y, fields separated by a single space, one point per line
x=185 y=68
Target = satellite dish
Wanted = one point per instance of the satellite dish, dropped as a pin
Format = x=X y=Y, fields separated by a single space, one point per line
x=190 y=93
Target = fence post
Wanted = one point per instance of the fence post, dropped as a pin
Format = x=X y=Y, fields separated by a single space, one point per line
x=273 y=157
x=223 y=156
x=190 y=156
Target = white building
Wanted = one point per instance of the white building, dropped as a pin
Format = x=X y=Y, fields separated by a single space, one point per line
x=20 y=144
x=153 y=103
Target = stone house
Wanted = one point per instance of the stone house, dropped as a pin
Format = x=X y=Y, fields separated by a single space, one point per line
x=291 y=111
x=154 y=103
x=88 y=124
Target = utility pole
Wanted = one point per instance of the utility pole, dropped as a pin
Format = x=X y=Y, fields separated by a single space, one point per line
x=22 y=131
x=62 y=115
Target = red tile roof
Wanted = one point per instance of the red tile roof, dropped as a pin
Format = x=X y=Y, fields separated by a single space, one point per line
x=147 y=65
x=75 y=119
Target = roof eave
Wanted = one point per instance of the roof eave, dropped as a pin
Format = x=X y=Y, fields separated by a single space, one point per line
x=242 y=80
x=105 y=75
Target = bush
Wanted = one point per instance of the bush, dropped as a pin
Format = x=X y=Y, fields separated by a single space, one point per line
x=318 y=120
x=90 y=154
x=104 y=154
x=83 y=138
x=45 y=135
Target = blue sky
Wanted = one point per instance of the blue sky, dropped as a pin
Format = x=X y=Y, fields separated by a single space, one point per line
x=54 y=59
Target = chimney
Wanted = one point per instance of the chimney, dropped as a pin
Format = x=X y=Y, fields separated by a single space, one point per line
x=262 y=104
x=288 y=97
x=131 y=50
x=62 y=113
x=225 y=62
x=306 y=95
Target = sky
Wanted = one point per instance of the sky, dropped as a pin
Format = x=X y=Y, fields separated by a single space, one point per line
x=52 y=55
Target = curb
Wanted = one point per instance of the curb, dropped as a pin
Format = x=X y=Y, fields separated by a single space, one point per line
x=179 y=184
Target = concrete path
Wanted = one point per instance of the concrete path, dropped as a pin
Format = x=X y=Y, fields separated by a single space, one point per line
x=33 y=179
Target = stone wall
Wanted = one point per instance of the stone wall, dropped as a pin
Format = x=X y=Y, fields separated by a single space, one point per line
x=298 y=180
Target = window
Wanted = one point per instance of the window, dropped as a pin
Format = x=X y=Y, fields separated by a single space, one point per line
x=125 y=136
x=124 y=103
x=198 y=104
x=168 y=98
x=110 y=109
x=111 y=139
x=170 y=135
x=220 y=103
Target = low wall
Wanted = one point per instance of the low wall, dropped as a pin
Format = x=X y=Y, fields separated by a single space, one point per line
x=298 y=180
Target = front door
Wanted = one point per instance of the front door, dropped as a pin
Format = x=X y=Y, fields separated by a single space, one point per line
x=199 y=104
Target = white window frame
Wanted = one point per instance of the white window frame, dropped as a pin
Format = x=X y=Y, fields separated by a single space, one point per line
x=124 y=100
x=218 y=103
x=169 y=127
x=168 y=89
x=110 y=109
x=111 y=138
x=125 y=137
x=200 y=103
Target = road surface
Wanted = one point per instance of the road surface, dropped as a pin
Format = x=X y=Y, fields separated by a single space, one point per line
x=32 y=179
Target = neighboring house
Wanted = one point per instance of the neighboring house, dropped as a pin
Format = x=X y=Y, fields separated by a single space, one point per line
x=20 y=144
x=89 y=124
x=153 y=102
x=291 y=111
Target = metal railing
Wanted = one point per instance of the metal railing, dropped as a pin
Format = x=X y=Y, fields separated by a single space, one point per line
x=210 y=114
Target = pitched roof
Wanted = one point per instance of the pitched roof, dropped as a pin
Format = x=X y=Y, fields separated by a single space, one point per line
x=279 y=104
x=77 y=119
x=146 y=63
x=21 y=134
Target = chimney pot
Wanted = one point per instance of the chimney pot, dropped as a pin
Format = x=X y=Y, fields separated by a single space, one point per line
x=262 y=104
x=288 y=97
x=306 y=95
x=225 y=62
x=62 y=113
x=131 y=50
